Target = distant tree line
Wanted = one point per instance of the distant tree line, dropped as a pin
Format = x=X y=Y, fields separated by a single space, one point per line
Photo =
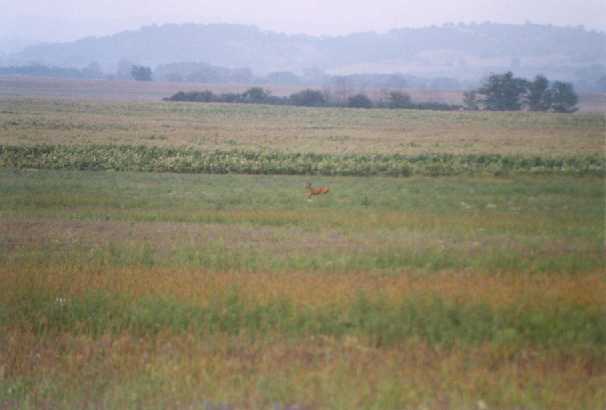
x=197 y=72
x=141 y=73
x=504 y=92
x=311 y=98
x=92 y=71
x=500 y=92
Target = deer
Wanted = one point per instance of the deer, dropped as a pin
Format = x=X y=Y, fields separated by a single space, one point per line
x=311 y=191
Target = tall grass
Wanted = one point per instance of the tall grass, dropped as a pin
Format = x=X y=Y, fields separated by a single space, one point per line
x=426 y=318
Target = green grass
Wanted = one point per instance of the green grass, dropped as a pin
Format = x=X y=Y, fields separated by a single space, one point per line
x=168 y=195
x=264 y=223
x=428 y=319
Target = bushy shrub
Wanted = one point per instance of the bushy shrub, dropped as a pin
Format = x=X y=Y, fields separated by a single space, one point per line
x=196 y=96
x=562 y=97
x=308 y=98
x=398 y=99
x=256 y=95
x=359 y=101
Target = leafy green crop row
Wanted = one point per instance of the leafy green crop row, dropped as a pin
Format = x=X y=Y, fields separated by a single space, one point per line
x=187 y=160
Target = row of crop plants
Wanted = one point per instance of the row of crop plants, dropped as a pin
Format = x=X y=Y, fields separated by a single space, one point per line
x=188 y=160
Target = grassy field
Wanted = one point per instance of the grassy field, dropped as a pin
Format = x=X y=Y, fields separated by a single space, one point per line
x=165 y=290
x=191 y=290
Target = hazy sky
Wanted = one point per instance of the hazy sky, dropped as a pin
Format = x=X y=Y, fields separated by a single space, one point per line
x=55 y=20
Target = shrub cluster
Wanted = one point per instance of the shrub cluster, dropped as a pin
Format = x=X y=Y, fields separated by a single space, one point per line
x=188 y=160
x=310 y=98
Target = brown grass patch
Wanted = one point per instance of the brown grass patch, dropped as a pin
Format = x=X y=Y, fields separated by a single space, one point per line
x=316 y=289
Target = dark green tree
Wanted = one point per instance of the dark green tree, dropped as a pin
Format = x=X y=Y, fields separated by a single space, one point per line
x=309 y=98
x=563 y=97
x=503 y=92
x=359 y=101
x=538 y=97
x=141 y=73
x=398 y=99
x=256 y=95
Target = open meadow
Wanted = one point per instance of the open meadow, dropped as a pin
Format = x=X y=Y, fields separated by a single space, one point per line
x=164 y=255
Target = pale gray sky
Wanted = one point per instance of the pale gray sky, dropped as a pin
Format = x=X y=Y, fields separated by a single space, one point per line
x=61 y=20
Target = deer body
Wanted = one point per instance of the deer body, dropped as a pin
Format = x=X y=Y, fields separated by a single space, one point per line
x=311 y=191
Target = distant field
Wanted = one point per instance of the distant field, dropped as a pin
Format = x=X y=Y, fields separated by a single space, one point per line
x=472 y=277
x=121 y=90
x=294 y=129
x=12 y=86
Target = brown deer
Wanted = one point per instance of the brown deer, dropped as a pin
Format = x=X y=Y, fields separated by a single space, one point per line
x=311 y=191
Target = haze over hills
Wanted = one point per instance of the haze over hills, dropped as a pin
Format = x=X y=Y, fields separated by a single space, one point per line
x=462 y=51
